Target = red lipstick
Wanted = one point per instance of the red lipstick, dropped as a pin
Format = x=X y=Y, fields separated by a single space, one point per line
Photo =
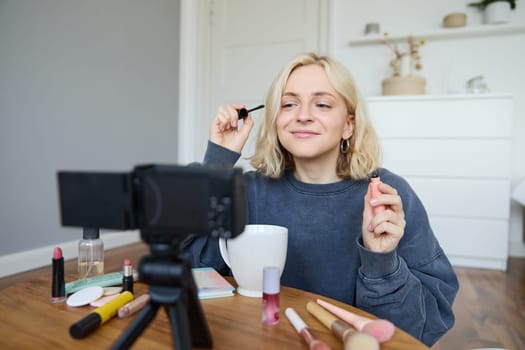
x=58 y=285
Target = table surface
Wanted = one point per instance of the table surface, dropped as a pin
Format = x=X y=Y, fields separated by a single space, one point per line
x=29 y=320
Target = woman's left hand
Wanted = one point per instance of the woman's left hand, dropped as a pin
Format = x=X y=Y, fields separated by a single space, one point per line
x=382 y=232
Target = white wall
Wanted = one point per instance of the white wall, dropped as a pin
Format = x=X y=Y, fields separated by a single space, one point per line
x=447 y=64
x=84 y=85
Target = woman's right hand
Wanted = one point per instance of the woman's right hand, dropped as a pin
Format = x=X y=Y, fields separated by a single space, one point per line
x=224 y=130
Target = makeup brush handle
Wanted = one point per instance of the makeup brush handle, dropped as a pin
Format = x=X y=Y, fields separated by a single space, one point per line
x=355 y=320
x=321 y=314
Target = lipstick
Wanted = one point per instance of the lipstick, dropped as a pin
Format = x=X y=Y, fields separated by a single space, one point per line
x=58 y=285
x=375 y=180
x=243 y=112
x=127 y=276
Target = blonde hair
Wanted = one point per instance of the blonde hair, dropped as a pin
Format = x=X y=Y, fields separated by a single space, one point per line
x=363 y=156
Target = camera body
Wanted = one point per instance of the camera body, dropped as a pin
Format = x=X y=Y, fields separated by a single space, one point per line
x=166 y=202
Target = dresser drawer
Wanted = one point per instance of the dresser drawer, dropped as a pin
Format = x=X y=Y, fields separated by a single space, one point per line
x=462 y=237
x=450 y=117
x=463 y=197
x=470 y=158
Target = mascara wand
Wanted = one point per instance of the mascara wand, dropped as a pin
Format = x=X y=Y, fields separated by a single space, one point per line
x=243 y=112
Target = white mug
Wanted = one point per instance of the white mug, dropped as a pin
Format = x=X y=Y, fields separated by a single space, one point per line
x=247 y=254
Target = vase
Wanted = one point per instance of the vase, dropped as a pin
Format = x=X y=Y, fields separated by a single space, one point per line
x=497 y=12
x=454 y=20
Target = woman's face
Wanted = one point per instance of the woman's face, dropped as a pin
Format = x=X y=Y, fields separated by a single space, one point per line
x=313 y=117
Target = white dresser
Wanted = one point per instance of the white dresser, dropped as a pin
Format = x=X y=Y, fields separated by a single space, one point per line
x=455 y=151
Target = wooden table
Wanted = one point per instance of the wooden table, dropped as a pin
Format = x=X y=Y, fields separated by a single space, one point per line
x=29 y=321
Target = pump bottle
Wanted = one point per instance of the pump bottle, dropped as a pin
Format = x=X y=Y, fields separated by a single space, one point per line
x=90 y=253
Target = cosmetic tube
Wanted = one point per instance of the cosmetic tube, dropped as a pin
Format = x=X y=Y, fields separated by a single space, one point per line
x=375 y=180
x=127 y=276
x=99 y=316
x=270 y=302
x=133 y=306
x=302 y=329
x=58 y=285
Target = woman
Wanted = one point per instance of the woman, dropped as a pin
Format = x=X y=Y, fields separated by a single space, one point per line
x=315 y=154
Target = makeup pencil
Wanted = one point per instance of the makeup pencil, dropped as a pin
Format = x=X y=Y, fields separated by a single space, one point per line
x=133 y=306
x=302 y=329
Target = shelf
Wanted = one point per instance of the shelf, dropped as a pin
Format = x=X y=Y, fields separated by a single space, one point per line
x=444 y=33
x=446 y=97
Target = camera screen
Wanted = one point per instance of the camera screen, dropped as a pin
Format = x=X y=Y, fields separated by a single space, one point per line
x=171 y=200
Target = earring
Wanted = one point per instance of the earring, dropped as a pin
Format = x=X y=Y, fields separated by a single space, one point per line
x=344 y=146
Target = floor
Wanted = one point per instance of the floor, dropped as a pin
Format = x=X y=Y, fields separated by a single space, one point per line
x=489 y=308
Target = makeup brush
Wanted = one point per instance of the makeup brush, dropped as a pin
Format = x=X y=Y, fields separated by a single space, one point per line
x=352 y=340
x=243 y=112
x=382 y=330
x=302 y=329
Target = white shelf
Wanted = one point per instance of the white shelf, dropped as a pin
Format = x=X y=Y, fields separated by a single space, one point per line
x=443 y=33
x=447 y=97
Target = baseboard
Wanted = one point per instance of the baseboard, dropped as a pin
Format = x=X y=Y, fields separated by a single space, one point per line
x=39 y=257
x=479 y=263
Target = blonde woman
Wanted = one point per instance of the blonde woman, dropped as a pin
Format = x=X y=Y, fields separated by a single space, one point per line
x=315 y=154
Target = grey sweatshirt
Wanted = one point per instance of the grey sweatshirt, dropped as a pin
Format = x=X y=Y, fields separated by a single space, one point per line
x=413 y=286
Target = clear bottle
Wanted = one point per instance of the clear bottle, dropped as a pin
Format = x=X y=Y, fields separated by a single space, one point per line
x=270 y=299
x=90 y=253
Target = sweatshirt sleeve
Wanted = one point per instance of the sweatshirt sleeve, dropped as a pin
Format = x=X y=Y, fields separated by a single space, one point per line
x=218 y=155
x=203 y=251
x=413 y=286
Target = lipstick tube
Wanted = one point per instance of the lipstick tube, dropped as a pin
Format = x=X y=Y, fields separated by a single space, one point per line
x=58 y=285
x=127 y=276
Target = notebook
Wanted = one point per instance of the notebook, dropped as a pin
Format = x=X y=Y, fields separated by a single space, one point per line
x=211 y=284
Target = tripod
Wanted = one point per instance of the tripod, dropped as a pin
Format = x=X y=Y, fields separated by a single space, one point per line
x=171 y=285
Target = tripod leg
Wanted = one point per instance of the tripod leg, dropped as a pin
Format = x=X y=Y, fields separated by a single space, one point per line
x=188 y=325
x=200 y=334
x=180 y=329
x=136 y=328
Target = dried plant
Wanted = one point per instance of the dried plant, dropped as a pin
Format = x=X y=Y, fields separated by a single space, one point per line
x=412 y=52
